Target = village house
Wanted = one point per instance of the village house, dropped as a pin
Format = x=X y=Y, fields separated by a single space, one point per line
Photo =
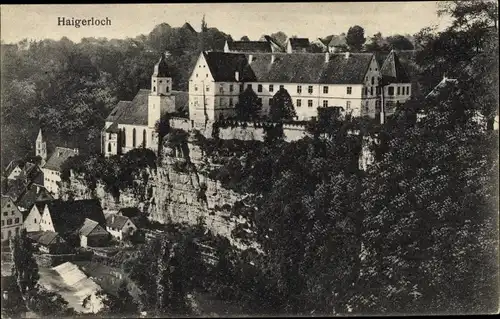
x=297 y=45
x=68 y=217
x=49 y=242
x=12 y=219
x=120 y=226
x=32 y=194
x=34 y=217
x=268 y=45
x=52 y=170
x=92 y=234
x=24 y=171
x=131 y=124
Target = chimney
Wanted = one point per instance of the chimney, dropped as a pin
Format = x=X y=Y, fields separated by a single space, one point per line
x=250 y=59
x=327 y=57
x=237 y=76
x=347 y=54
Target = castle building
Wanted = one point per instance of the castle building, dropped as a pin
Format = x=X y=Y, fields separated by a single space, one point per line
x=131 y=124
x=347 y=80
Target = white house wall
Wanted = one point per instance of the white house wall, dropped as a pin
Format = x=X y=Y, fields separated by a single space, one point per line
x=32 y=222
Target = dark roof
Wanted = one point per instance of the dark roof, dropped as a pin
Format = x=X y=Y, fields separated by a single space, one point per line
x=299 y=43
x=60 y=155
x=113 y=128
x=70 y=215
x=116 y=221
x=223 y=66
x=311 y=68
x=32 y=194
x=28 y=170
x=131 y=112
x=188 y=27
x=91 y=227
x=15 y=188
x=129 y=211
x=393 y=71
x=337 y=40
x=249 y=46
x=47 y=237
x=272 y=40
x=181 y=100
x=162 y=69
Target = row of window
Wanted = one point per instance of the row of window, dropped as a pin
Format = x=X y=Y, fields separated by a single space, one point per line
x=123 y=138
x=9 y=221
x=377 y=90
x=325 y=103
x=310 y=88
x=9 y=233
x=401 y=90
x=7 y=213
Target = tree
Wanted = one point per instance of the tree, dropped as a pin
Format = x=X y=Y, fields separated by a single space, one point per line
x=244 y=38
x=24 y=268
x=48 y=303
x=399 y=42
x=280 y=37
x=282 y=106
x=470 y=14
x=248 y=105
x=121 y=304
x=355 y=38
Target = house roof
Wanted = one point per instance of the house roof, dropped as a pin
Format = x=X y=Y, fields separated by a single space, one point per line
x=71 y=215
x=47 y=237
x=116 y=221
x=312 y=68
x=32 y=194
x=60 y=155
x=188 y=27
x=131 y=112
x=6 y=200
x=223 y=66
x=299 y=43
x=276 y=43
x=337 y=40
x=393 y=71
x=15 y=189
x=91 y=227
x=249 y=46
x=27 y=169
x=113 y=128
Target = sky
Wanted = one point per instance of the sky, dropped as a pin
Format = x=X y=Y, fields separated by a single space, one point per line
x=311 y=20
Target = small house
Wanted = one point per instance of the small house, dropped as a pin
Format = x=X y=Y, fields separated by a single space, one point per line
x=120 y=226
x=34 y=217
x=92 y=234
x=49 y=242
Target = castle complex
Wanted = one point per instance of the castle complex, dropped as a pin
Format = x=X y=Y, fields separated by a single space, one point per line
x=353 y=82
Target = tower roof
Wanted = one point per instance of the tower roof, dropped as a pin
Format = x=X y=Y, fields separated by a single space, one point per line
x=39 y=136
x=162 y=69
x=393 y=71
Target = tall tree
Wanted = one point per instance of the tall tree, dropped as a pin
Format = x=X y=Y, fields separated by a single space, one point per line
x=24 y=267
x=282 y=106
x=399 y=42
x=355 y=38
x=248 y=105
x=244 y=38
x=121 y=304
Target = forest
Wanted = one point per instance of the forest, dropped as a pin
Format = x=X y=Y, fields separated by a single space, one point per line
x=415 y=233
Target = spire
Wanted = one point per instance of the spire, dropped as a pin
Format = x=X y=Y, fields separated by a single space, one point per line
x=39 y=137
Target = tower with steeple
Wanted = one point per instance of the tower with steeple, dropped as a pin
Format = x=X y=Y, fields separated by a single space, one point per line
x=41 y=148
x=160 y=99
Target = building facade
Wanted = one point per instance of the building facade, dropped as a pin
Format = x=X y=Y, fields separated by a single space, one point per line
x=12 y=219
x=52 y=170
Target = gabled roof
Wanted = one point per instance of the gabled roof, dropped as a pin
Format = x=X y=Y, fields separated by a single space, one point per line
x=249 y=46
x=15 y=189
x=116 y=221
x=299 y=43
x=337 y=40
x=393 y=71
x=131 y=112
x=223 y=66
x=32 y=194
x=6 y=200
x=312 y=68
x=188 y=27
x=60 y=155
x=69 y=216
x=162 y=69
x=28 y=170
x=113 y=128
x=91 y=227
x=45 y=238
x=276 y=43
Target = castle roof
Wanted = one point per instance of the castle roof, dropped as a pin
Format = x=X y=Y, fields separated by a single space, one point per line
x=311 y=68
x=131 y=112
x=60 y=155
x=393 y=71
x=223 y=66
x=249 y=46
x=299 y=43
x=162 y=69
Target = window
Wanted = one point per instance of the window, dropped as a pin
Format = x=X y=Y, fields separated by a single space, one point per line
x=17 y=230
x=221 y=88
x=371 y=90
x=259 y=100
x=407 y=90
x=309 y=103
x=271 y=88
x=299 y=102
x=3 y=223
x=325 y=103
x=249 y=86
x=377 y=106
x=282 y=87
x=109 y=147
x=241 y=88
x=35 y=220
x=154 y=88
x=9 y=233
x=366 y=91
x=196 y=74
x=230 y=101
x=310 y=89
x=231 y=88
x=124 y=136
x=9 y=221
x=133 y=137
x=259 y=88
x=325 y=89
x=348 y=105
x=373 y=80
x=377 y=90
x=390 y=90
x=207 y=88
x=299 y=88
x=271 y=101
x=144 y=138
x=399 y=91
x=349 y=90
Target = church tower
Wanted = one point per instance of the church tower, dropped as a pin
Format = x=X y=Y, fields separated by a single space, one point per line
x=160 y=100
x=41 y=148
